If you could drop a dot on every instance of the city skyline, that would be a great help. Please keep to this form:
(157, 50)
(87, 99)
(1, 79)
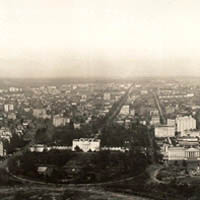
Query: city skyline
(99, 38)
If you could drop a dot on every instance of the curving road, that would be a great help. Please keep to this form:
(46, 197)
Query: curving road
(102, 194)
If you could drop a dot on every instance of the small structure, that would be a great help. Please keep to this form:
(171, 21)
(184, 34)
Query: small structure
(45, 170)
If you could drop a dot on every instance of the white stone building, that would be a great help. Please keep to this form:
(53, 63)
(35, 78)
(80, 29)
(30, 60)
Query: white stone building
(185, 123)
(164, 131)
(86, 144)
(107, 96)
(182, 153)
(8, 107)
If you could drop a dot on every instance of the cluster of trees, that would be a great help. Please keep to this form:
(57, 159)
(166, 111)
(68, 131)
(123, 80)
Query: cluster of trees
(116, 135)
(93, 167)
(15, 142)
(65, 135)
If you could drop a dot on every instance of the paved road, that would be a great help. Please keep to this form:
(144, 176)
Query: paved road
(159, 108)
(153, 171)
(113, 113)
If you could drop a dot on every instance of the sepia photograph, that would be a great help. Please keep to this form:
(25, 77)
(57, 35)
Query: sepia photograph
(99, 100)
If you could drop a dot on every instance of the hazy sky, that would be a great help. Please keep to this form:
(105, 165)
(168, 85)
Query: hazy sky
(120, 38)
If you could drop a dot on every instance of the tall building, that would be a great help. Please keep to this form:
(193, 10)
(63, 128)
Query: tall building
(185, 123)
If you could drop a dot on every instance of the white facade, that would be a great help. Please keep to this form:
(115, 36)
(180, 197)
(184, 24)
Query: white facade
(1, 149)
(132, 112)
(14, 89)
(59, 121)
(8, 107)
(77, 125)
(125, 110)
(164, 131)
(181, 153)
(155, 120)
(171, 122)
(86, 144)
(107, 96)
(37, 148)
(185, 123)
(176, 153)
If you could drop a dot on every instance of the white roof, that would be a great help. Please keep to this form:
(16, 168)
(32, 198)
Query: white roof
(192, 149)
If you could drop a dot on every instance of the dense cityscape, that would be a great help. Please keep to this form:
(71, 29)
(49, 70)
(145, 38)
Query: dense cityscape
(99, 100)
(119, 136)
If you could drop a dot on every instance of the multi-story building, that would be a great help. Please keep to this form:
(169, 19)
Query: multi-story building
(188, 141)
(11, 116)
(155, 120)
(165, 131)
(125, 110)
(132, 112)
(154, 112)
(171, 122)
(40, 113)
(182, 153)
(185, 123)
(1, 149)
(107, 96)
(8, 107)
(59, 121)
(86, 144)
